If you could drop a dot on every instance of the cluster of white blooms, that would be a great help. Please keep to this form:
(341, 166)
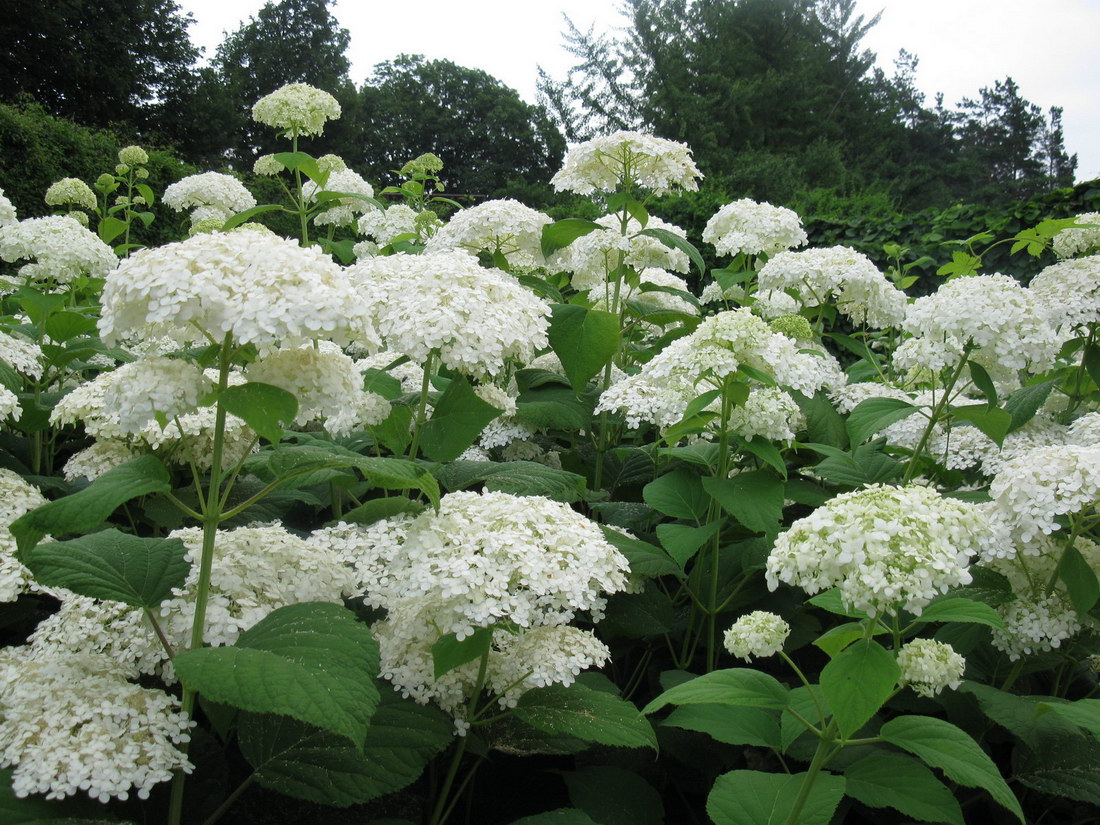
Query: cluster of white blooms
(71, 191)
(261, 288)
(1000, 320)
(71, 722)
(208, 195)
(499, 226)
(61, 248)
(94, 461)
(752, 228)
(1069, 291)
(849, 396)
(21, 355)
(327, 384)
(8, 214)
(839, 274)
(1085, 237)
(759, 633)
(593, 257)
(409, 374)
(145, 388)
(623, 159)
(10, 408)
(16, 498)
(296, 109)
(768, 412)
(662, 390)
(475, 319)
(1085, 431)
(884, 548)
(1034, 488)
(342, 211)
(267, 165)
(383, 225)
(929, 666)
(133, 156)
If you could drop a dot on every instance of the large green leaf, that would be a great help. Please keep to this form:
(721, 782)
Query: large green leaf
(683, 541)
(1084, 713)
(562, 816)
(589, 715)
(585, 341)
(114, 566)
(1023, 716)
(875, 414)
(1023, 404)
(1079, 579)
(993, 421)
(758, 798)
(952, 609)
(674, 241)
(678, 494)
(857, 681)
(377, 509)
(554, 407)
(263, 407)
(614, 796)
(887, 780)
(754, 498)
(561, 233)
(450, 652)
(740, 687)
(457, 420)
(312, 662)
(89, 508)
(315, 765)
(733, 725)
(645, 559)
(1066, 767)
(520, 478)
(944, 746)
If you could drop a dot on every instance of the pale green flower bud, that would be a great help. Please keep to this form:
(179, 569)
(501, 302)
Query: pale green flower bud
(121, 169)
(793, 326)
(141, 174)
(79, 217)
(426, 164)
(104, 180)
(206, 225)
(331, 163)
(71, 191)
(267, 165)
(133, 156)
(758, 634)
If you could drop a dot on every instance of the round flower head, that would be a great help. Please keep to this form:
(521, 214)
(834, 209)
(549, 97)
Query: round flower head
(382, 226)
(623, 159)
(929, 666)
(154, 388)
(752, 228)
(133, 156)
(1083, 237)
(840, 275)
(884, 548)
(209, 195)
(475, 319)
(296, 109)
(592, 257)
(71, 191)
(16, 498)
(21, 355)
(506, 227)
(1069, 291)
(10, 408)
(260, 288)
(62, 249)
(757, 634)
(1034, 488)
(7, 211)
(92, 462)
(267, 165)
(341, 211)
(425, 164)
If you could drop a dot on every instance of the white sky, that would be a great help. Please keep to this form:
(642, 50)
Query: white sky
(1050, 47)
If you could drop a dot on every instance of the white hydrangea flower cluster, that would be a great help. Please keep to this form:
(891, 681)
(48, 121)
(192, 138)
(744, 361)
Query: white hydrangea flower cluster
(101, 457)
(296, 109)
(21, 355)
(342, 211)
(1034, 488)
(618, 160)
(759, 633)
(71, 191)
(1085, 237)
(62, 249)
(150, 386)
(266, 166)
(841, 275)
(16, 498)
(505, 226)
(1085, 431)
(1001, 320)
(746, 226)
(662, 390)
(929, 666)
(592, 257)
(8, 214)
(327, 384)
(261, 288)
(475, 319)
(1069, 291)
(208, 195)
(71, 722)
(382, 226)
(133, 156)
(884, 548)
(10, 408)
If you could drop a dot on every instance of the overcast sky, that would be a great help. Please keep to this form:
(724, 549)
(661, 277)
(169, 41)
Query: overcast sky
(1048, 47)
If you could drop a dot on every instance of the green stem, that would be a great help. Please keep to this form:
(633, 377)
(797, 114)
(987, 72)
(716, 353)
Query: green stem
(824, 753)
(421, 406)
(714, 511)
(935, 415)
(300, 201)
(229, 801)
(439, 813)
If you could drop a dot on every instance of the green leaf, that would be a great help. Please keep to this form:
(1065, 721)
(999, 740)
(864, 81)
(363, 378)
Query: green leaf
(674, 241)
(887, 780)
(683, 541)
(589, 715)
(457, 420)
(312, 662)
(758, 798)
(555, 407)
(62, 326)
(113, 566)
(953, 609)
(832, 601)
(824, 425)
(379, 508)
(450, 652)
(857, 681)
(645, 559)
(585, 341)
(263, 407)
(837, 638)
(1068, 768)
(110, 228)
(766, 452)
(865, 465)
(942, 745)
(520, 478)
(1023, 404)
(614, 796)
(740, 687)
(1084, 713)
(638, 615)
(678, 494)
(733, 725)
(312, 764)
(993, 421)
(562, 816)
(875, 414)
(561, 233)
(394, 433)
(83, 511)
(1091, 361)
(249, 214)
(983, 382)
(382, 383)
(1021, 715)
(1079, 579)
(304, 162)
(754, 498)
(805, 702)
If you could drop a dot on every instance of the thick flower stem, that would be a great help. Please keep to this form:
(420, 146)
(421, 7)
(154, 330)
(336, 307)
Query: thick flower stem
(826, 749)
(714, 511)
(441, 810)
(422, 406)
(935, 416)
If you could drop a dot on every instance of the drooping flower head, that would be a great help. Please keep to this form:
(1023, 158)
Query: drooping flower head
(341, 211)
(752, 228)
(8, 215)
(296, 109)
(16, 498)
(623, 159)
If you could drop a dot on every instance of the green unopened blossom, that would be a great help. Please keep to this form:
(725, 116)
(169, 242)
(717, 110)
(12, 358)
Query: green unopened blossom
(104, 180)
(793, 326)
(71, 191)
(426, 164)
(296, 109)
(331, 163)
(121, 169)
(267, 165)
(141, 174)
(133, 156)
(80, 217)
(206, 225)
